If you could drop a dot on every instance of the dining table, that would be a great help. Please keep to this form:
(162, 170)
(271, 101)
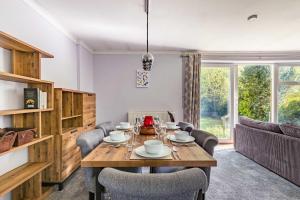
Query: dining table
(115, 156)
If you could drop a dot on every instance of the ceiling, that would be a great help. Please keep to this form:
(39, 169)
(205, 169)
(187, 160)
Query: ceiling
(206, 25)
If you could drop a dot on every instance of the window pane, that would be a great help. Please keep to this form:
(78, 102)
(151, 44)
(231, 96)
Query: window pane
(287, 73)
(215, 101)
(254, 90)
(289, 104)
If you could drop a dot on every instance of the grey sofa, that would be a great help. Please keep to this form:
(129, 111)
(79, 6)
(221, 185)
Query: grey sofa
(271, 146)
(182, 185)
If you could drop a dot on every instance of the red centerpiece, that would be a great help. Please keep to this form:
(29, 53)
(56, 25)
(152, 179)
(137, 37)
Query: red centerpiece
(148, 121)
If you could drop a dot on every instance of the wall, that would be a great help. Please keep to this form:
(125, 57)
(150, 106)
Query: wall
(115, 86)
(86, 67)
(21, 21)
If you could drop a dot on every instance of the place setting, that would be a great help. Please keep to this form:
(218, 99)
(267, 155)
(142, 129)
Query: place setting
(152, 149)
(124, 126)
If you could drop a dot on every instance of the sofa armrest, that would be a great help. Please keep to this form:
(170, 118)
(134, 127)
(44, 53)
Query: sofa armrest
(206, 140)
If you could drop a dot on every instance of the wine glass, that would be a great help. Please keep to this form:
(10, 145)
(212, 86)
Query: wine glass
(157, 127)
(136, 132)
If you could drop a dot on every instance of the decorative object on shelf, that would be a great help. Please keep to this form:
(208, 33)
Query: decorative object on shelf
(7, 140)
(142, 79)
(23, 135)
(31, 98)
(147, 58)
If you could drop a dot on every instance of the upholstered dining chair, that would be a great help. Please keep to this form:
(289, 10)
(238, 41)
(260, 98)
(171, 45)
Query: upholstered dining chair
(182, 185)
(185, 126)
(106, 127)
(89, 141)
(204, 139)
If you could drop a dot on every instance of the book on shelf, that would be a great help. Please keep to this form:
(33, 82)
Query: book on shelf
(34, 98)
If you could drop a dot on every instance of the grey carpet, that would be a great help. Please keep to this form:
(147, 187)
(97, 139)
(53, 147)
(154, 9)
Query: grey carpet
(235, 178)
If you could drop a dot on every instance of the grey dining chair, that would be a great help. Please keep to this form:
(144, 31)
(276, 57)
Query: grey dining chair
(89, 141)
(185, 126)
(204, 139)
(182, 185)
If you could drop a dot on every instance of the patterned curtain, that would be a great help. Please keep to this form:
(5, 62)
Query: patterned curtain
(191, 89)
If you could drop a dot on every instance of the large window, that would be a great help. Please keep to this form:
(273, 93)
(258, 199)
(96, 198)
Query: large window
(254, 91)
(215, 101)
(289, 95)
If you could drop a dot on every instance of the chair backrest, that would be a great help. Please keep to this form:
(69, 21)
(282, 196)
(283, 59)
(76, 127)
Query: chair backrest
(182, 185)
(87, 142)
(185, 126)
(106, 127)
(208, 142)
(163, 115)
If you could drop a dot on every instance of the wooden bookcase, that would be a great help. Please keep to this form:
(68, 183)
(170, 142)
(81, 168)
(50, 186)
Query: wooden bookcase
(74, 113)
(25, 182)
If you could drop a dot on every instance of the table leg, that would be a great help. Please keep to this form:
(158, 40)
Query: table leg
(99, 188)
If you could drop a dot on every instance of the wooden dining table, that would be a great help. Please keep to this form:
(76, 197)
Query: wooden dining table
(107, 155)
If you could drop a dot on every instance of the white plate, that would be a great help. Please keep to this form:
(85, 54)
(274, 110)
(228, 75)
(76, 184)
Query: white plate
(119, 128)
(141, 152)
(174, 128)
(188, 139)
(108, 140)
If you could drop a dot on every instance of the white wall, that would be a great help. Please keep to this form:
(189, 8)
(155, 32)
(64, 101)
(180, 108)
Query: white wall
(115, 86)
(21, 21)
(86, 67)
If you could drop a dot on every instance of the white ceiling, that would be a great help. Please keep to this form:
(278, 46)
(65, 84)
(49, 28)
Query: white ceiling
(207, 25)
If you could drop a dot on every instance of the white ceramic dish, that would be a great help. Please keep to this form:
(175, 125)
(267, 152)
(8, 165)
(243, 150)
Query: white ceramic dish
(173, 128)
(109, 140)
(117, 135)
(181, 135)
(153, 146)
(142, 152)
(120, 128)
(124, 125)
(188, 139)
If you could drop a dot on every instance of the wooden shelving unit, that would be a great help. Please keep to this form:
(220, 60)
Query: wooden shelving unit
(25, 182)
(74, 113)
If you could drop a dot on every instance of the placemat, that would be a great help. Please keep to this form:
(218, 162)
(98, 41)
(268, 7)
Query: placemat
(134, 156)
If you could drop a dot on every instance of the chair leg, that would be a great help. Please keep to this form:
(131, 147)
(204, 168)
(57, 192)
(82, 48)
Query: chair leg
(91, 196)
(201, 196)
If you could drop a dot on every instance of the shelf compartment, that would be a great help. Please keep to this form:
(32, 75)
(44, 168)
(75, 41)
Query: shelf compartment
(22, 111)
(21, 79)
(18, 176)
(71, 117)
(35, 141)
(12, 43)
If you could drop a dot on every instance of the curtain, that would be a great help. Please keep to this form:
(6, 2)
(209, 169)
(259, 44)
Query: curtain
(191, 88)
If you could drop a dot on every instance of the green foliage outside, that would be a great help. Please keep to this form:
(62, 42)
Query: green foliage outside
(214, 101)
(289, 102)
(254, 87)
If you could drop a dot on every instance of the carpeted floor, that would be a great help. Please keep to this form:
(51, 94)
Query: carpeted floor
(235, 178)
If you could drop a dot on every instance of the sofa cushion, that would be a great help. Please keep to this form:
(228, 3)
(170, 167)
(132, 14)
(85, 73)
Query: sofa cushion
(290, 130)
(267, 126)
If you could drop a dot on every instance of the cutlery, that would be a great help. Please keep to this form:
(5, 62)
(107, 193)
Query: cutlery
(112, 147)
(185, 145)
(174, 151)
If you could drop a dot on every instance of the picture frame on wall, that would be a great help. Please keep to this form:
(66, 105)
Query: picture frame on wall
(142, 78)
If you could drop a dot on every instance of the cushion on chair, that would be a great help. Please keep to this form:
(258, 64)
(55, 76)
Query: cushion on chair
(183, 185)
(166, 169)
(106, 127)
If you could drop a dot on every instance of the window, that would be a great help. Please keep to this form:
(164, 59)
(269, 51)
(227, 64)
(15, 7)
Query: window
(215, 93)
(254, 91)
(289, 95)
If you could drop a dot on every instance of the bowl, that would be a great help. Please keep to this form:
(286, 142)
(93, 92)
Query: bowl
(171, 125)
(153, 146)
(181, 135)
(124, 124)
(116, 135)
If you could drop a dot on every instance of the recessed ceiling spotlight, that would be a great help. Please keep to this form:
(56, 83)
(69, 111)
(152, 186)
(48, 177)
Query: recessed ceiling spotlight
(252, 18)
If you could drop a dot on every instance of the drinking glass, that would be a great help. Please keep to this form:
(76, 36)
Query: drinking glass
(157, 128)
(136, 132)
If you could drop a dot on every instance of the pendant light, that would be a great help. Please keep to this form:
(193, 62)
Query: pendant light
(147, 58)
